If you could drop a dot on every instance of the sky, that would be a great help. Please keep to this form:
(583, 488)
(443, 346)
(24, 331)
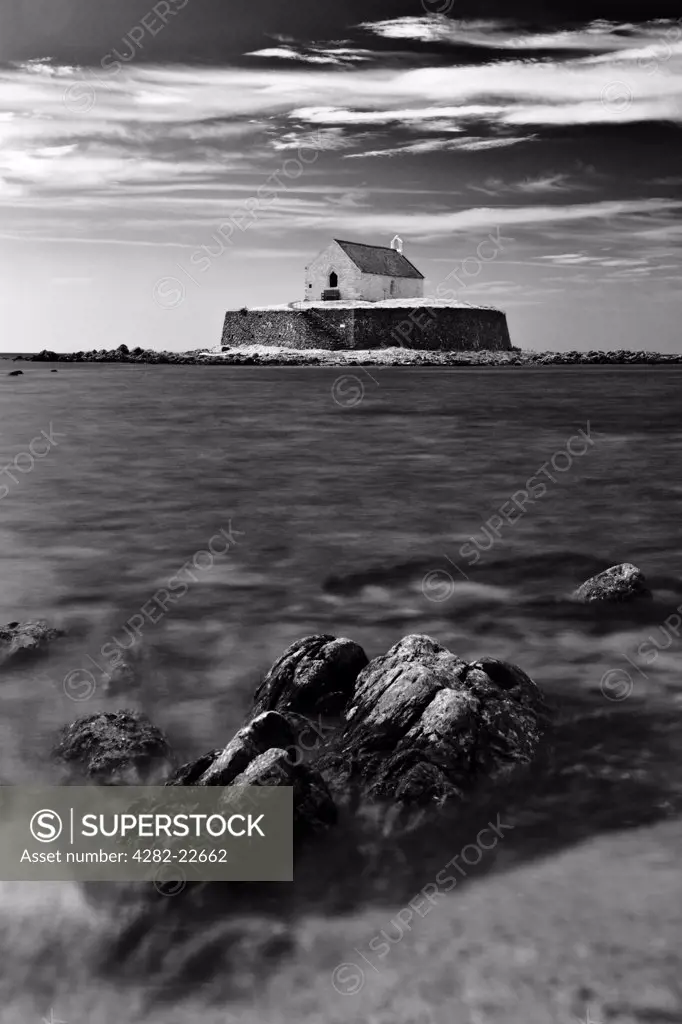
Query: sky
(161, 162)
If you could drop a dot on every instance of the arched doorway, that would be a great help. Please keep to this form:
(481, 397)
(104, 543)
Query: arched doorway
(333, 280)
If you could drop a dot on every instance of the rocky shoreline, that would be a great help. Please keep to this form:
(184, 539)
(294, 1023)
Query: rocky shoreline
(271, 356)
(410, 730)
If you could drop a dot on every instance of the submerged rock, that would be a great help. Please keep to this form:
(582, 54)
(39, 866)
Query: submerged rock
(115, 748)
(424, 725)
(316, 674)
(15, 373)
(26, 638)
(623, 582)
(120, 677)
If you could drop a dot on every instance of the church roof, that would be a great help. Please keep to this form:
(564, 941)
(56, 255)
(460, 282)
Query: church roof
(379, 259)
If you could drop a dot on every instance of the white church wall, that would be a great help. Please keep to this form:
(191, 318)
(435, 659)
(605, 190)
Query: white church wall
(376, 287)
(352, 283)
(332, 258)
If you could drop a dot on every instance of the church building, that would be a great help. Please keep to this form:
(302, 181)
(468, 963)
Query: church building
(364, 273)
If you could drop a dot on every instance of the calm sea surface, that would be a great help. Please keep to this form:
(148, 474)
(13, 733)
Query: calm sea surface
(344, 519)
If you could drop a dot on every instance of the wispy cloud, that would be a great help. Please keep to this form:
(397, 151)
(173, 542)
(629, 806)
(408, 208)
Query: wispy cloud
(293, 215)
(313, 54)
(188, 125)
(322, 138)
(548, 183)
(595, 37)
(484, 218)
(400, 115)
(529, 186)
(165, 153)
(575, 259)
(467, 145)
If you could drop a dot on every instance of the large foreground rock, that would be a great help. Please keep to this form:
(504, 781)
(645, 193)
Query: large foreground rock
(26, 638)
(315, 675)
(264, 753)
(189, 774)
(221, 767)
(623, 582)
(314, 808)
(115, 748)
(424, 725)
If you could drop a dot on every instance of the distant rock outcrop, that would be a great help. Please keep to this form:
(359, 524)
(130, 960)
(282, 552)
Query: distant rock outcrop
(115, 748)
(620, 583)
(279, 352)
(26, 639)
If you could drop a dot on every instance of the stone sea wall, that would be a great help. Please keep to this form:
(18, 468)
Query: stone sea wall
(426, 328)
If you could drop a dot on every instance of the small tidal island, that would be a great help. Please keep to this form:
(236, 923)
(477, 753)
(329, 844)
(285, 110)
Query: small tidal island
(262, 355)
(363, 305)
(362, 297)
